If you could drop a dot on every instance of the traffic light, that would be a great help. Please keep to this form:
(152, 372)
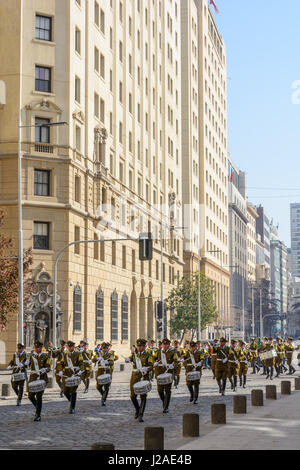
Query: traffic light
(145, 247)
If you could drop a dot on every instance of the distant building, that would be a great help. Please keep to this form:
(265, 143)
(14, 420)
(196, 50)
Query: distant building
(279, 274)
(295, 239)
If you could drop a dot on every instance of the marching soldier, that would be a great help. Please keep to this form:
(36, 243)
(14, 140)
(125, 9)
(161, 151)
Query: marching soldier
(222, 353)
(39, 365)
(17, 364)
(270, 363)
(289, 350)
(245, 357)
(233, 365)
(72, 365)
(280, 349)
(180, 354)
(87, 355)
(263, 349)
(254, 355)
(105, 360)
(193, 361)
(152, 349)
(58, 354)
(166, 359)
(203, 351)
(142, 362)
(213, 357)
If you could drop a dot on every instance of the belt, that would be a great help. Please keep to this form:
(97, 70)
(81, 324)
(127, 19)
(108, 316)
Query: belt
(221, 360)
(232, 362)
(243, 361)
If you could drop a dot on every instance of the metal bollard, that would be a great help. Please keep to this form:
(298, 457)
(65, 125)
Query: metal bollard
(297, 383)
(271, 392)
(257, 398)
(154, 438)
(102, 446)
(285, 387)
(190, 425)
(122, 367)
(240, 404)
(5, 390)
(218, 413)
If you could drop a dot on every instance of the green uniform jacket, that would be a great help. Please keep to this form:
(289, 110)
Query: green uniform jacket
(221, 354)
(13, 363)
(109, 356)
(171, 358)
(58, 354)
(233, 358)
(199, 356)
(147, 360)
(77, 361)
(44, 362)
(87, 355)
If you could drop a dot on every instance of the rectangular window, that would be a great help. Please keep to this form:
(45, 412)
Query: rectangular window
(78, 40)
(42, 132)
(43, 28)
(96, 59)
(114, 316)
(96, 105)
(102, 21)
(77, 89)
(77, 296)
(113, 253)
(77, 189)
(102, 66)
(124, 315)
(96, 14)
(41, 183)
(123, 257)
(41, 236)
(99, 316)
(77, 238)
(43, 79)
(78, 138)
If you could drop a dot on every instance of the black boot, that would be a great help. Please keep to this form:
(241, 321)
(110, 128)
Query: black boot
(253, 369)
(272, 372)
(293, 370)
(231, 382)
(235, 384)
(39, 404)
(105, 394)
(196, 394)
(32, 399)
(277, 368)
(20, 395)
(268, 373)
(224, 387)
(220, 386)
(73, 403)
(191, 390)
(68, 396)
(137, 407)
(241, 380)
(87, 384)
(264, 370)
(162, 397)
(167, 402)
(244, 381)
(142, 408)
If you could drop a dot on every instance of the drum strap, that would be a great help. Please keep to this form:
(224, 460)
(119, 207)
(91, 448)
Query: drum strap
(70, 364)
(164, 359)
(17, 360)
(138, 363)
(36, 366)
(192, 359)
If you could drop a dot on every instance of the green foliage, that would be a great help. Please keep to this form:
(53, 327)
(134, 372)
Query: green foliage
(183, 303)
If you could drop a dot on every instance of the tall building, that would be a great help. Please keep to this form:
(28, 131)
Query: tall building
(279, 274)
(295, 239)
(263, 232)
(252, 216)
(238, 253)
(111, 69)
(204, 144)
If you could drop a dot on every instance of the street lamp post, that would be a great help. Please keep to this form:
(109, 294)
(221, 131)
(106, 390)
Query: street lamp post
(20, 221)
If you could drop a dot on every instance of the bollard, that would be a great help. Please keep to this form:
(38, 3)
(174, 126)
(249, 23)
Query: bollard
(240, 404)
(257, 398)
(122, 367)
(50, 382)
(102, 446)
(285, 387)
(190, 425)
(154, 438)
(297, 383)
(5, 390)
(218, 413)
(271, 393)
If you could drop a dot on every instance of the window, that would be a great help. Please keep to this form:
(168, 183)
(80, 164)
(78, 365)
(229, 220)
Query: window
(78, 138)
(41, 236)
(43, 79)
(77, 40)
(96, 13)
(113, 253)
(77, 189)
(42, 133)
(96, 105)
(43, 28)
(77, 238)
(96, 248)
(96, 59)
(123, 257)
(77, 89)
(102, 66)
(102, 21)
(124, 317)
(77, 296)
(114, 315)
(41, 183)
(99, 315)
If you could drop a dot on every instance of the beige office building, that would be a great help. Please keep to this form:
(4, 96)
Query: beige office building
(111, 69)
(204, 151)
(252, 216)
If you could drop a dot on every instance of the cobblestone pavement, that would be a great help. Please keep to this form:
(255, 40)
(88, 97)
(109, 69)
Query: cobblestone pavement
(115, 422)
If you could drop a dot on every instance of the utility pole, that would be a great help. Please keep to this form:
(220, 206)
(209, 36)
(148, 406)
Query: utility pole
(260, 314)
(253, 332)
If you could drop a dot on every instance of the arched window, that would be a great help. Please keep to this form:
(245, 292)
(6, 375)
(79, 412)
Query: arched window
(77, 296)
(99, 315)
(124, 316)
(114, 315)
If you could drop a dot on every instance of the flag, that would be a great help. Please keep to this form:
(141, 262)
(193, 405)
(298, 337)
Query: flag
(231, 176)
(215, 6)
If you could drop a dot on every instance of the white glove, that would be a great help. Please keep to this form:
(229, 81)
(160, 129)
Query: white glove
(80, 372)
(43, 370)
(199, 364)
(155, 364)
(90, 362)
(181, 360)
(27, 362)
(127, 359)
(171, 366)
(236, 362)
(144, 370)
(106, 362)
(225, 360)
(9, 367)
(61, 373)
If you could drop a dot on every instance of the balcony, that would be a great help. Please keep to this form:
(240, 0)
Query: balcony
(43, 148)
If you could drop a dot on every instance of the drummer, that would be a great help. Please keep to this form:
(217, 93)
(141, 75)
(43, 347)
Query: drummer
(180, 354)
(87, 355)
(39, 364)
(142, 362)
(72, 365)
(289, 350)
(17, 364)
(166, 360)
(105, 360)
(193, 362)
(58, 354)
(270, 363)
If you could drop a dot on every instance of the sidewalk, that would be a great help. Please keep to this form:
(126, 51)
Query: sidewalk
(275, 426)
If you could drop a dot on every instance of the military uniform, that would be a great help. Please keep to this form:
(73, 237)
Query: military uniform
(105, 365)
(17, 364)
(213, 361)
(142, 366)
(177, 370)
(58, 354)
(222, 354)
(170, 359)
(87, 355)
(280, 349)
(254, 356)
(36, 363)
(245, 357)
(270, 363)
(289, 351)
(72, 364)
(263, 349)
(193, 361)
(233, 367)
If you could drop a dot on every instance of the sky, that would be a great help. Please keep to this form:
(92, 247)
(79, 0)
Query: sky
(263, 63)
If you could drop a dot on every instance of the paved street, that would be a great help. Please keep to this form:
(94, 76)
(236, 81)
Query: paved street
(115, 423)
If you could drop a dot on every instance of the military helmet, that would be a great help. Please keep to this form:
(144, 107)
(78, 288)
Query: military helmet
(62, 342)
(223, 340)
(193, 344)
(166, 341)
(38, 344)
(20, 345)
(105, 345)
(141, 342)
(70, 343)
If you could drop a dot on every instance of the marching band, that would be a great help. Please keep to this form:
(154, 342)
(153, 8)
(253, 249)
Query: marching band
(164, 363)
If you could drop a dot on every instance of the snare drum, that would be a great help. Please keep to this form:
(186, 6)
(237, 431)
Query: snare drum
(73, 381)
(268, 355)
(19, 377)
(104, 379)
(164, 379)
(193, 376)
(142, 388)
(36, 386)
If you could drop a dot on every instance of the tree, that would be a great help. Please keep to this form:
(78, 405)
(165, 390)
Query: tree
(183, 304)
(9, 277)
